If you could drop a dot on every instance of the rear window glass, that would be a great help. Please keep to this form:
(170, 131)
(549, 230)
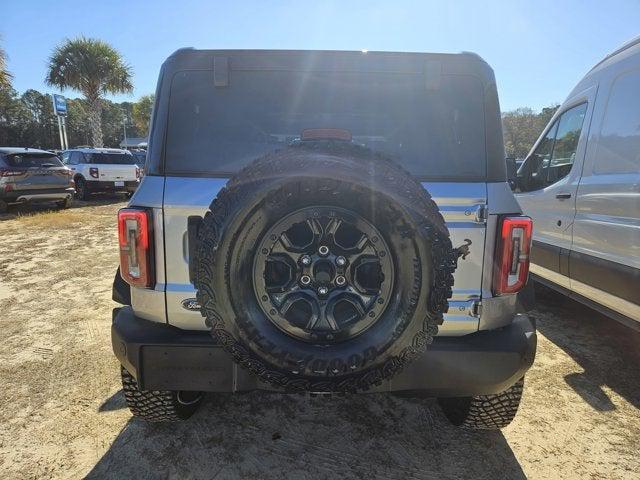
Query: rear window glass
(110, 158)
(432, 133)
(28, 160)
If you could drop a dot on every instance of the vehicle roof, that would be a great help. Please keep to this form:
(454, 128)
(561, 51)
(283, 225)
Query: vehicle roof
(625, 46)
(10, 150)
(627, 50)
(97, 150)
(348, 60)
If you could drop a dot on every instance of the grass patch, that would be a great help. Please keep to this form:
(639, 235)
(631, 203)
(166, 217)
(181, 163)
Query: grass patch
(51, 218)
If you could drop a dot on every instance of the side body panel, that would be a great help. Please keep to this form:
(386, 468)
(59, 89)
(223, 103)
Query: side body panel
(604, 262)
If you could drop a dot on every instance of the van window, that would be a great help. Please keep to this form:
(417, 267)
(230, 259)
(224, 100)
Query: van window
(619, 144)
(553, 158)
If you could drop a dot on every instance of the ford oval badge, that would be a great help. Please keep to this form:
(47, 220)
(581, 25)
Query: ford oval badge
(191, 304)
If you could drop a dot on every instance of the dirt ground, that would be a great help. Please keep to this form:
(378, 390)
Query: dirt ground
(62, 412)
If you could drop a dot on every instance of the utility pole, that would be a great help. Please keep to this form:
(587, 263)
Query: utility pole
(124, 127)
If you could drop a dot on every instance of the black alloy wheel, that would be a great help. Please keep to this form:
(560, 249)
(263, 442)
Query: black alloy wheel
(323, 274)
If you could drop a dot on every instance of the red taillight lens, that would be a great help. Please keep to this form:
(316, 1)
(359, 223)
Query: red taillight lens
(512, 255)
(134, 238)
(94, 172)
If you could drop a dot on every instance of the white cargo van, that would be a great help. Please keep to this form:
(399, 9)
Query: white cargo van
(581, 186)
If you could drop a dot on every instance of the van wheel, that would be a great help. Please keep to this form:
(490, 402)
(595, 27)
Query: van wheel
(3, 206)
(158, 405)
(81, 189)
(484, 412)
(63, 204)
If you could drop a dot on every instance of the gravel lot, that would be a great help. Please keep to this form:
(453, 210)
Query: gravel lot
(63, 414)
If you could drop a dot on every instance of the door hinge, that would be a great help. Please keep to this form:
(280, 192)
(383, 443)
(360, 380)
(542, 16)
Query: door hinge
(481, 214)
(476, 308)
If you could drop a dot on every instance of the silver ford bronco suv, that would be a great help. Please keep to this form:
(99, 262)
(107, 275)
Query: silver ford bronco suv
(324, 222)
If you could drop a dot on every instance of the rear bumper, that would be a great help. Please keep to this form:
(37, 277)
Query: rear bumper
(42, 195)
(102, 186)
(162, 357)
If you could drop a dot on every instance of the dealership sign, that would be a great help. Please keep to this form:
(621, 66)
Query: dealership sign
(59, 105)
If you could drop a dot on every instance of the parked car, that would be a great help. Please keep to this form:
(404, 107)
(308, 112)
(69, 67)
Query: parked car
(102, 170)
(32, 175)
(581, 185)
(275, 245)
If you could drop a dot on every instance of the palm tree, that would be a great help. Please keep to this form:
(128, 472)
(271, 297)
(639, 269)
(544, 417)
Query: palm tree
(5, 76)
(94, 68)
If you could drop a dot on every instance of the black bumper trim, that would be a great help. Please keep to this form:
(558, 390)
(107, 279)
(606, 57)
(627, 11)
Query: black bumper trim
(163, 357)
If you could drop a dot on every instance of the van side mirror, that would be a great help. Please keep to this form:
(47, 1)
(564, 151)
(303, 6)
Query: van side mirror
(512, 172)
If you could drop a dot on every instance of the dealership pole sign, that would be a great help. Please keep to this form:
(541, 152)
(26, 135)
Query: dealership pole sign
(60, 110)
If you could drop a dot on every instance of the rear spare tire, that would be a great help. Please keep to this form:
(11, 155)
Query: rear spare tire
(323, 268)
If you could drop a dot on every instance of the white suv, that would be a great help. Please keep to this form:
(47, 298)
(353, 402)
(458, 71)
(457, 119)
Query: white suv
(102, 170)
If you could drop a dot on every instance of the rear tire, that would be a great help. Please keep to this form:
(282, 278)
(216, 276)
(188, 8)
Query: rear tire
(4, 207)
(81, 189)
(484, 412)
(64, 204)
(158, 405)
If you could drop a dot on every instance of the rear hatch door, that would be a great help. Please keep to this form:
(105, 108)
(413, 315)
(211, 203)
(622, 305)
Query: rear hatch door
(426, 111)
(37, 171)
(113, 167)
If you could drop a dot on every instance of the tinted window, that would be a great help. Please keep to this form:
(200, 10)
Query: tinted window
(28, 160)
(75, 158)
(437, 132)
(566, 144)
(110, 158)
(553, 158)
(534, 170)
(619, 144)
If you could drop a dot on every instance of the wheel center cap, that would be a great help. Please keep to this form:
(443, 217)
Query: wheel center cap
(323, 272)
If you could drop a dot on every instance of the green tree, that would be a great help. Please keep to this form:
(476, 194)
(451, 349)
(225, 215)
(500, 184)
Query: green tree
(40, 128)
(11, 116)
(94, 68)
(142, 113)
(522, 127)
(5, 76)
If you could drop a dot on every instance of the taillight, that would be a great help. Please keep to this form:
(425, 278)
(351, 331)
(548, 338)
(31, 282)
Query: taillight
(135, 240)
(94, 172)
(138, 173)
(512, 255)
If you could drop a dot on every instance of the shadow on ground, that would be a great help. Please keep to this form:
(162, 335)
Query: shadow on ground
(262, 435)
(607, 350)
(17, 210)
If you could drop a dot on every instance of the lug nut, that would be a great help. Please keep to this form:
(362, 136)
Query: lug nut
(306, 260)
(340, 280)
(323, 290)
(341, 261)
(305, 279)
(323, 250)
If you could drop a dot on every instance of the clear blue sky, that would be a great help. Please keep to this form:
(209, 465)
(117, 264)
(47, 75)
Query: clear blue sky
(538, 49)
